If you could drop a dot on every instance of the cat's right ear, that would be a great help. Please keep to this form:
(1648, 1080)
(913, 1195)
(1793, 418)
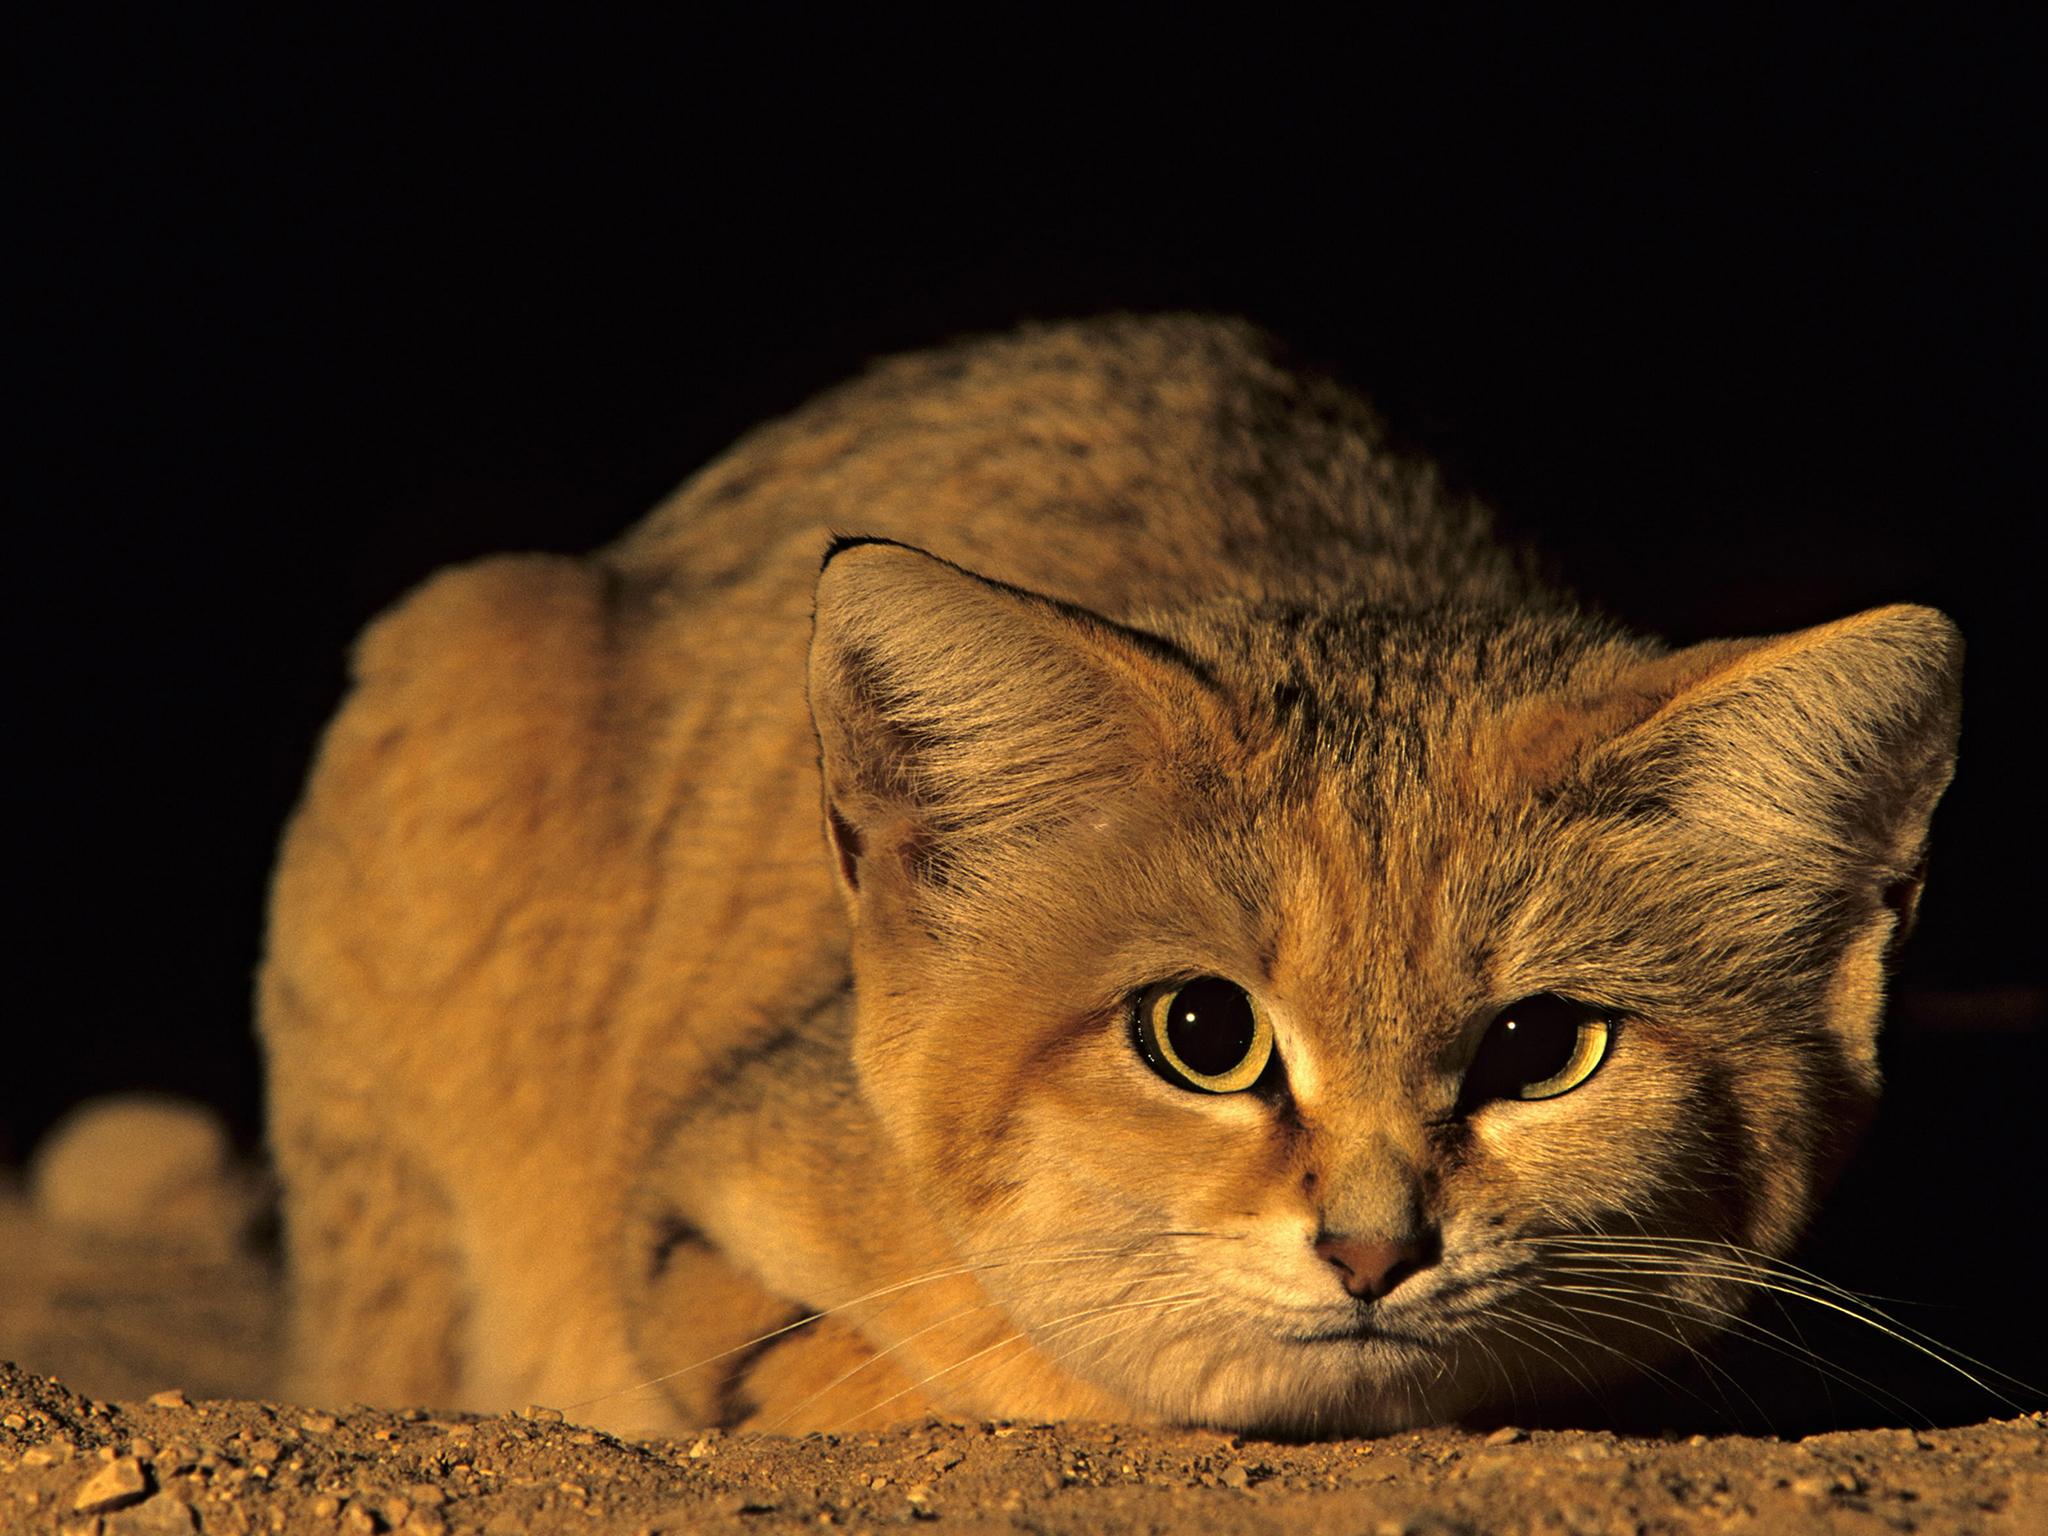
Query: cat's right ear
(960, 721)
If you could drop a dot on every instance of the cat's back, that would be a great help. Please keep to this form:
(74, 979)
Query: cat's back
(1129, 463)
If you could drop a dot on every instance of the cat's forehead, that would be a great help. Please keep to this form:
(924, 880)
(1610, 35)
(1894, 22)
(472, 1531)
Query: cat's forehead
(1355, 695)
(1385, 812)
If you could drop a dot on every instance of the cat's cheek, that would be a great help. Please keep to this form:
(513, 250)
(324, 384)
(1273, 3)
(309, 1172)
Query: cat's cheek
(1737, 1144)
(1611, 1151)
(1114, 1138)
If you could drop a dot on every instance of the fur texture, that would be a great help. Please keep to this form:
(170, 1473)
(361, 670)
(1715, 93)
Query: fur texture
(593, 1061)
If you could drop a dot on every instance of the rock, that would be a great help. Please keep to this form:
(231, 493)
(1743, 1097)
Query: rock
(170, 1397)
(160, 1516)
(1426, 1523)
(1507, 1435)
(121, 1481)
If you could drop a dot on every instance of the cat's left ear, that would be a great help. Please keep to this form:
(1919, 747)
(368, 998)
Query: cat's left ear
(1804, 763)
(1832, 743)
(961, 720)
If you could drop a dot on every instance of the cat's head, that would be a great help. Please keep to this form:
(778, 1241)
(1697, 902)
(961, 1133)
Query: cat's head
(1333, 1019)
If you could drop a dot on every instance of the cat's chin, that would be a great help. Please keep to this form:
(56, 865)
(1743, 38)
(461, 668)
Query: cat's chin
(1296, 1378)
(1344, 1385)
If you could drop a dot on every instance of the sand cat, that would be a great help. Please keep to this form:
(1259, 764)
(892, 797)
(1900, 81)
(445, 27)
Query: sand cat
(1072, 859)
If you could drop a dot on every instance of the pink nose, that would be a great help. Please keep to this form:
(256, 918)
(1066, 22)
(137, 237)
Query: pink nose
(1370, 1267)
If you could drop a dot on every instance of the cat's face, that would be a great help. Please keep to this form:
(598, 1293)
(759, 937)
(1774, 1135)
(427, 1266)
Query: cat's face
(1338, 1027)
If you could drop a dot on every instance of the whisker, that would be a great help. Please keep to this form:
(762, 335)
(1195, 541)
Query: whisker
(1716, 1259)
(1559, 1360)
(1770, 1340)
(980, 1265)
(1048, 1330)
(1547, 1293)
(879, 1355)
(1750, 1275)
(1718, 1245)
(1718, 1373)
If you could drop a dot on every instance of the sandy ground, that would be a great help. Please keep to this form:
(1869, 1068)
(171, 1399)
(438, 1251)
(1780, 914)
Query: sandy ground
(175, 1345)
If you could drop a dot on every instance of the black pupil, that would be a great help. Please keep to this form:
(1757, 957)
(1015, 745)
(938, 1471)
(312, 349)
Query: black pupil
(1210, 1026)
(1529, 1043)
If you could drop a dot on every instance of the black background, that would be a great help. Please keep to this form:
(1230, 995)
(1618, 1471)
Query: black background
(1743, 325)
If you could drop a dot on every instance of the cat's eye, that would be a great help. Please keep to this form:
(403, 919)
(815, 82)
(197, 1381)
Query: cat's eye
(1206, 1034)
(1538, 1048)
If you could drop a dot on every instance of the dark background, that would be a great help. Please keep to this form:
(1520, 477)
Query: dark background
(1743, 325)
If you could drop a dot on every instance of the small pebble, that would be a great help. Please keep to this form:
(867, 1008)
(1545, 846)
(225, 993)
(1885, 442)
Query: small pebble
(319, 1423)
(1507, 1434)
(1234, 1476)
(170, 1397)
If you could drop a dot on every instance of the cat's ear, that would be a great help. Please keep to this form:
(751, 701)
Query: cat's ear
(959, 719)
(1802, 770)
(1831, 742)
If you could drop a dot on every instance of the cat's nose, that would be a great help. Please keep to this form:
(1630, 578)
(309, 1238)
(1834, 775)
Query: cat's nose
(1371, 1267)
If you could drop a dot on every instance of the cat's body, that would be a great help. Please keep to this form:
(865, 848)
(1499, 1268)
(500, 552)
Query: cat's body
(573, 1086)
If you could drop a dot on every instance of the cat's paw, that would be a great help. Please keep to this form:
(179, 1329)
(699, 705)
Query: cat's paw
(143, 1168)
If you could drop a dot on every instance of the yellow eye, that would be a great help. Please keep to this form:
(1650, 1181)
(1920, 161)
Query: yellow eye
(1204, 1034)
(1537, 1049)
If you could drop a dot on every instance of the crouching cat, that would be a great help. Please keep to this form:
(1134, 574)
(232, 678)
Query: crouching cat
(1172, 922)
